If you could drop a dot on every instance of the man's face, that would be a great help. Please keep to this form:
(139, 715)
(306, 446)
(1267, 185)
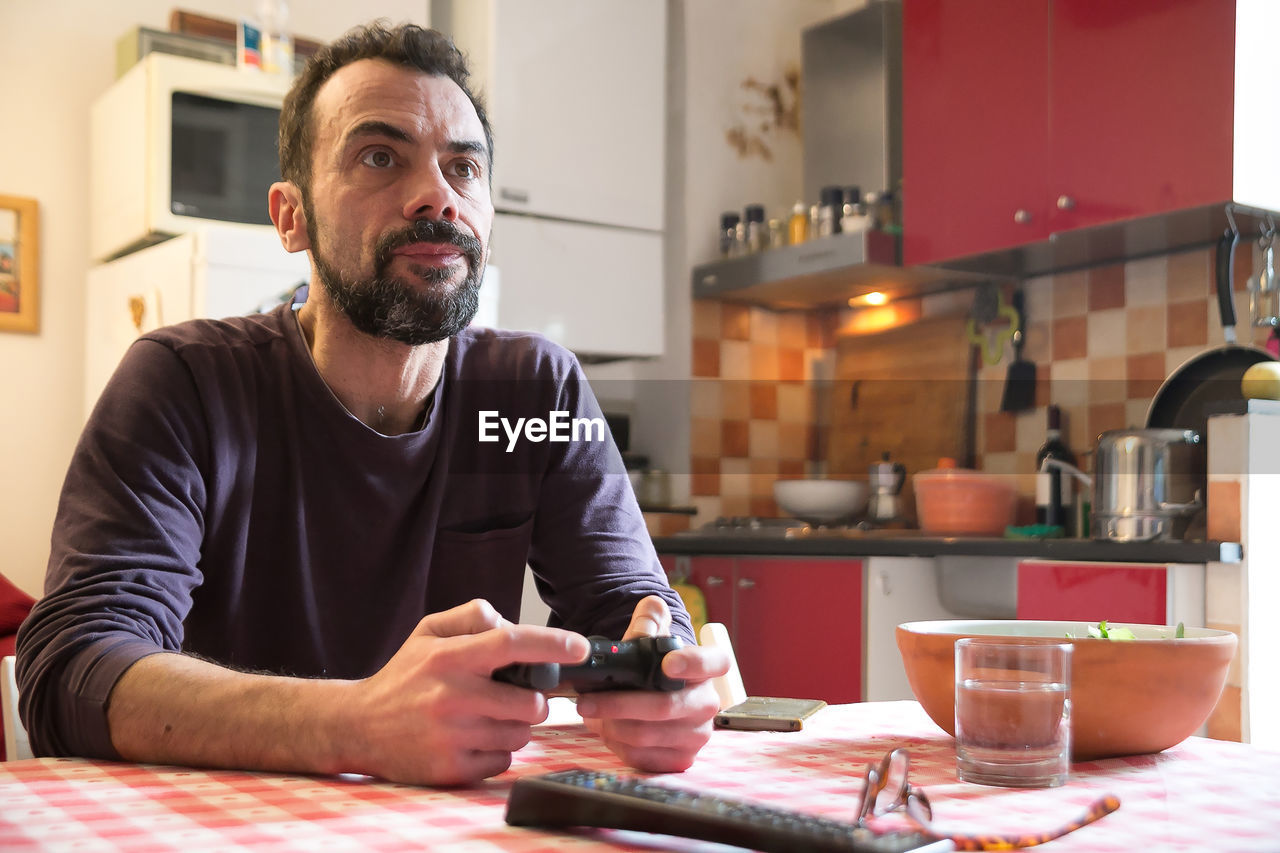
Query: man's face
(399, 211)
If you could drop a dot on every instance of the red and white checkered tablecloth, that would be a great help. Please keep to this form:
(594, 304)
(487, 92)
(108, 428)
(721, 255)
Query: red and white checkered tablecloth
(1203, 795)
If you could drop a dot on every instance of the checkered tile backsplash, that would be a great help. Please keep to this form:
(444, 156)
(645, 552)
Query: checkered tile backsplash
(1102, 339)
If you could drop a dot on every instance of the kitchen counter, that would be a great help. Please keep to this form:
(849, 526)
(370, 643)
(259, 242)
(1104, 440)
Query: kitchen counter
(909, 543)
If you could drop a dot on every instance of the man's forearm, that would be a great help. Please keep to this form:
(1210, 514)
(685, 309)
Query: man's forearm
(173, 709)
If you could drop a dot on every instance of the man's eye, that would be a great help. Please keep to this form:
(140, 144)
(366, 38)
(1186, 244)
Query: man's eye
(465, 169)
(378, 159)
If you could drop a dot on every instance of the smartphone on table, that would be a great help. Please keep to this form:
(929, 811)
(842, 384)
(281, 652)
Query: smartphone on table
(768, 714)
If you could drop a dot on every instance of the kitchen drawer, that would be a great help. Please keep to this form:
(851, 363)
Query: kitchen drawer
(1091, 592)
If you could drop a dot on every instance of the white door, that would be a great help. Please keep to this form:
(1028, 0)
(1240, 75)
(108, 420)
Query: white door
(898, 589)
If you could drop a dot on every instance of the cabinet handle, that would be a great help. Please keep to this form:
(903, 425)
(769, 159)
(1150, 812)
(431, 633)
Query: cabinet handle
(712, 580)
(683, 570)
(746, 583)
(1066, 202)
(1022, 216)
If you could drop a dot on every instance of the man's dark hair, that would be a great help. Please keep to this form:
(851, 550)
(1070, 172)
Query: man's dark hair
(408, 45)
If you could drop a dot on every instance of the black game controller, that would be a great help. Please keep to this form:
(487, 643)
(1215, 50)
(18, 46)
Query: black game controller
(611, 665)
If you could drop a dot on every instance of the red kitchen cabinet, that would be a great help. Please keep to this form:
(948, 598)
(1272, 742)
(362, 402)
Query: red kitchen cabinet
(1092, 592)
(714, 576)
(1026, 118)
(796, 624)
(975, 126)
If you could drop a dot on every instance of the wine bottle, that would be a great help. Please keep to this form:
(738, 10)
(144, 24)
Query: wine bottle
(1054, 487)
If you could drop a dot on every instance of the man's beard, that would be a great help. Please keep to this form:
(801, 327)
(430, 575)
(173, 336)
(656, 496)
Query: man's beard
(385, 307)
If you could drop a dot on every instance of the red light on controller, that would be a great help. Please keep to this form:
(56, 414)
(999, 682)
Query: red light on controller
(614, 648)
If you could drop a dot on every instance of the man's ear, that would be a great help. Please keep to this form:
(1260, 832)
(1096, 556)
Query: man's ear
(290, 218)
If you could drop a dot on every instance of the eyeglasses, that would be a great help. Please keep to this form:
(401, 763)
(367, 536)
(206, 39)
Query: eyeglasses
(901, 793)
(886, 789)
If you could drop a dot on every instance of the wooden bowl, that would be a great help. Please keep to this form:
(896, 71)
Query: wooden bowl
(1128, 697)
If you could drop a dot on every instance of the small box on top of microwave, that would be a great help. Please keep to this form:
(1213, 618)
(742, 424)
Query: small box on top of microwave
(176, 143)
(139, 42)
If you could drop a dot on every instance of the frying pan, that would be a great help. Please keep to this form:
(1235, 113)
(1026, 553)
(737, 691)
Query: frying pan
(1213, 376)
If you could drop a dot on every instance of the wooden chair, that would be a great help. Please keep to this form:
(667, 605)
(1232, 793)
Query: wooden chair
(729, 685)
(16, 745)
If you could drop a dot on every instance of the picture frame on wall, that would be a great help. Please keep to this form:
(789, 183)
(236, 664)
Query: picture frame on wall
(19, 265)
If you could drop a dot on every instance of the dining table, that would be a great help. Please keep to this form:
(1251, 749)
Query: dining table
(1204, 795)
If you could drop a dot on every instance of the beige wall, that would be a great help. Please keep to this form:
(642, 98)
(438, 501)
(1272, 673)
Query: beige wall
(55, 58)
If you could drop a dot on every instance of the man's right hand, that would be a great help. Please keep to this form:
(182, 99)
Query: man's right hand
(433, 715)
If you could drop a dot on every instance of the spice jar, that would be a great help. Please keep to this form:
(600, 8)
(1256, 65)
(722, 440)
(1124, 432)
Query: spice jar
(756, 231)
(830, 205)
(729, 235)
(798, 226)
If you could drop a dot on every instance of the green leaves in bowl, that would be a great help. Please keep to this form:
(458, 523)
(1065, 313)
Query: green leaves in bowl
(1102, 632)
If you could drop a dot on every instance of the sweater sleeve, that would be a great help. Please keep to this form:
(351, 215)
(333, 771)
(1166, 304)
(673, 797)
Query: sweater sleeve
(591, 554)
(124, 556)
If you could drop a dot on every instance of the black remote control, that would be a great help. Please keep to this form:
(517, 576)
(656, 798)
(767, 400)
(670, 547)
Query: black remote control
(611, 665)
(590, 798)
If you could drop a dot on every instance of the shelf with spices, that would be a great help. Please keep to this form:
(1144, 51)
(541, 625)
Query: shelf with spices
(822, 271)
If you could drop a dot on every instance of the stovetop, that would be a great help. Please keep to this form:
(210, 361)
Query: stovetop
(760, 527)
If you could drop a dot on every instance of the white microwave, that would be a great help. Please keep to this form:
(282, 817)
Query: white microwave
(176, 143)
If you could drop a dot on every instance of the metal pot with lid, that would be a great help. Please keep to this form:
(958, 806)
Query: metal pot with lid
(1145, 484)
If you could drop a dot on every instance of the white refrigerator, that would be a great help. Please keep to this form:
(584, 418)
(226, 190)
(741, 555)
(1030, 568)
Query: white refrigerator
(214, 271)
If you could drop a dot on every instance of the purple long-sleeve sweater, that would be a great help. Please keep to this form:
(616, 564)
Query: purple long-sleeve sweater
(223, 502)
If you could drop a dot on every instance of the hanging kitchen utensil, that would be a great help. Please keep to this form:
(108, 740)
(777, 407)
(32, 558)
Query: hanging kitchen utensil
(1213, 376)
(1020, 380)
(1264, 289)
(988, 306)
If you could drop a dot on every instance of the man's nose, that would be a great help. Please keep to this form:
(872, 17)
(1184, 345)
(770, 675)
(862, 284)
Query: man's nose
(431, 196)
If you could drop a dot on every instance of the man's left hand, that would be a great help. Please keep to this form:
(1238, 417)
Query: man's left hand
(653, 730)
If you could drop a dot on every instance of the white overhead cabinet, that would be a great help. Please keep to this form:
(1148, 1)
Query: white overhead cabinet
(591, 288)
(576, 92)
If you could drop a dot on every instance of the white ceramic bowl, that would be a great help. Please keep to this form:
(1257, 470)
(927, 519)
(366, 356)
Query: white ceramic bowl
(821, 501)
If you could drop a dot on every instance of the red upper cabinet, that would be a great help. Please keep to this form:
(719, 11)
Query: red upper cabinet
(1140, 107)
(975, 126)
(1025, 118)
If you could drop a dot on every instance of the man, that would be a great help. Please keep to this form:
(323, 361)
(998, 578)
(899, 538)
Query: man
(261, 510)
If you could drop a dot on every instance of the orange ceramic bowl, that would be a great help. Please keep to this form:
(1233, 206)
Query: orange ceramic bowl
(963, 502)
(1128, 697)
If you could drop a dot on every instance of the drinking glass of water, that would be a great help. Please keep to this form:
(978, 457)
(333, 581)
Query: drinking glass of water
(1013, 711)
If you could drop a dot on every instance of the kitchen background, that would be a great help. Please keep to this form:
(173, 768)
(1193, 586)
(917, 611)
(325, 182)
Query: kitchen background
(729, 405)
(55, 71)
(1102, 339)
